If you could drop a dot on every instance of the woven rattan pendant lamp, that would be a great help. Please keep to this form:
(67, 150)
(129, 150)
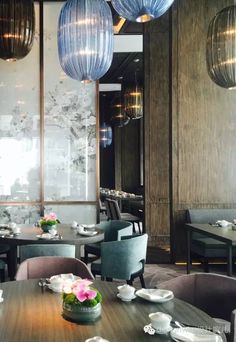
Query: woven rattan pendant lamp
(17, 26)
(221, 48)
(85, 39)
(141, 10)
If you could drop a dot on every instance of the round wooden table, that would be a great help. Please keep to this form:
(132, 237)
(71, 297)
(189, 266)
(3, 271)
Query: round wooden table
(30, 315)
(29, 234)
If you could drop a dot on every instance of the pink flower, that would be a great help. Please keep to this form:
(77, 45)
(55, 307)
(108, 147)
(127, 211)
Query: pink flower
(82, 291)
(85, 294)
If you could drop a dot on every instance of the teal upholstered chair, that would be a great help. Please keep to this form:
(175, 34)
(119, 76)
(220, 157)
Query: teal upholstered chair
(202, 245)
(30, 251)
(124, 259)
(113, 230)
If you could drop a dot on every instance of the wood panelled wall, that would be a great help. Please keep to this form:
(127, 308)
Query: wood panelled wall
(127, 157)
(190, 151)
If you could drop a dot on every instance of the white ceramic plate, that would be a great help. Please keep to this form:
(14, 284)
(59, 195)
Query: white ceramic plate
(87, 233)
(4, 231)
(88, 226)
(191, 334)
(45, 236)
(155, 295)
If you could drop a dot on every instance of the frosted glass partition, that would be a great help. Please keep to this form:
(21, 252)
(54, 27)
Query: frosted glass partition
(19, 126)
(19, 214)
(48, 147)
(70, 125)
(68, 213)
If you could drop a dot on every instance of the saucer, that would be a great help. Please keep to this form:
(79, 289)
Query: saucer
(125, 299)
(151, 330)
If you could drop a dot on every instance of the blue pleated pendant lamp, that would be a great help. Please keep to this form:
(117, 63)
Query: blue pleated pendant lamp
(141, 10)
(85, 39)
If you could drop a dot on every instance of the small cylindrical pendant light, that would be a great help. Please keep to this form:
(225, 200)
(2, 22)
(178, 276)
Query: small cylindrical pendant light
(221, 48)
(17, 27)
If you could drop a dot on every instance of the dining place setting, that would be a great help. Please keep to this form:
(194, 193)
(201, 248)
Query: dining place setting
(162, 323)
(84, 229)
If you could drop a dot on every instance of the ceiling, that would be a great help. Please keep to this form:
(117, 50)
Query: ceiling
(124, 64)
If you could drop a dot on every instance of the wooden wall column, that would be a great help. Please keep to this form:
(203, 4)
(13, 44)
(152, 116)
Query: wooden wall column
(157, 129)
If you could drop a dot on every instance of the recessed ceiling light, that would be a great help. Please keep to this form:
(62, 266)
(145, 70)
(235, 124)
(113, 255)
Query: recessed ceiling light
(136, 60)
(120, 78)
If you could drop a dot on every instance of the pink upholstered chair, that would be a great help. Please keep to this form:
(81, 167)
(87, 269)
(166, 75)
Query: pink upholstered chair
(47, 266)
(213, 293)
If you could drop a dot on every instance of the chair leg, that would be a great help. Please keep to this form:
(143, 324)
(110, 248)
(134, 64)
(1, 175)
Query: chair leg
(85, 257)
(134, 230)
(206, 265)
(2, 275)
(142, 281)
(129, 282)
(139, 227)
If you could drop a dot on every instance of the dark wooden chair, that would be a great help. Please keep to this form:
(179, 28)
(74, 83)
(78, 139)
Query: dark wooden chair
(115, 214)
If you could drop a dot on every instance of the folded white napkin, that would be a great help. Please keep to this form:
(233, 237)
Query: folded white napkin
(223, 223)
(195, 335)
(155, 294)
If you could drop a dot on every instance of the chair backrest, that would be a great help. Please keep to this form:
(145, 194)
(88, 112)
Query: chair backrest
(30, 251)
(114, 209)
(204, 215)
(210, 215)
(213, 293)
(47, 266)
(107, 205)
(121, 259)
(115, 229)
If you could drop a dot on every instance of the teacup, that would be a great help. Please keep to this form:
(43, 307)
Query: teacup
(56, 283)
(160, 320)
(74, 224)
(12, 225)
(1, 292)
(16, 230)
(80, 229)
(126, 291)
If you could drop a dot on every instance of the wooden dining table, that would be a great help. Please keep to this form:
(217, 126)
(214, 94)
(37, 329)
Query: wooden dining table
(31, 235)
(29, 314)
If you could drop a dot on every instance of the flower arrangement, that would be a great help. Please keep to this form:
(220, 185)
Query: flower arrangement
(80, 293)
(49, 220)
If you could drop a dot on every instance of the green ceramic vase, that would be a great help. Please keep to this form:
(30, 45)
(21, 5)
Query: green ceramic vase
(46, 227)
(81, 314)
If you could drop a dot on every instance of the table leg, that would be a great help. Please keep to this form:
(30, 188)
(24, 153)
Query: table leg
(12, 262)
(229, 270)
(189, 237)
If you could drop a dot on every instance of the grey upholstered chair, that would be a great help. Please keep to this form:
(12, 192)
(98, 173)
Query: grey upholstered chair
(115, 214)
(47, 266)
(202, 245)
(124, 259)
(30, 251)
(113, 230)
(213, 293)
